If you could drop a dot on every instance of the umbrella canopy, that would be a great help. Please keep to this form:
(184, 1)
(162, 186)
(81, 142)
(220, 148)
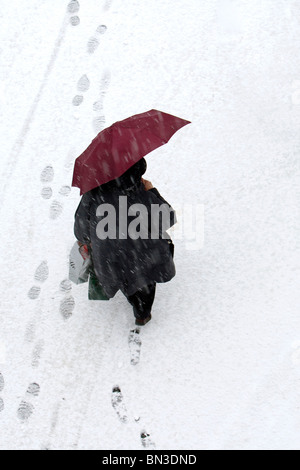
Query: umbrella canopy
(121, 145)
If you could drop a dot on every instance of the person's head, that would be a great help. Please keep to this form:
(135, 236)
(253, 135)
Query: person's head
(129, 179)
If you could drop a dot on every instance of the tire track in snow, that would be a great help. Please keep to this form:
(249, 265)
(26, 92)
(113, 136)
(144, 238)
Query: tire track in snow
(41, 275)
(119, 406)
(20, 142)
(54, 422)
(47, 176)
(2, 385)
(37, 353)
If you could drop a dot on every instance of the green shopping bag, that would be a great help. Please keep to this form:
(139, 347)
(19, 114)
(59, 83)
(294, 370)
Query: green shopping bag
(95, 289)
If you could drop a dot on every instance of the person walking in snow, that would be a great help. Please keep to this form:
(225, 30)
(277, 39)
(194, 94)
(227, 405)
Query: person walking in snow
(132, 265)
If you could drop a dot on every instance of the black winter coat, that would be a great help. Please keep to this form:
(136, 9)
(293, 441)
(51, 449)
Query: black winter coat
(128, 264)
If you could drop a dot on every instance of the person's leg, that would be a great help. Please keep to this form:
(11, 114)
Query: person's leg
(142, 302)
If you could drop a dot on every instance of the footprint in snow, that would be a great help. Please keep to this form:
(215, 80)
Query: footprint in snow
(98, 106)
(47, 174)
(147, 443)
(47, 193)
(135, 345)
(57, 206)
(99, 121)
(37, 353)
(67, 304)
(94, 41)
(83, 86)
(75, 20)
(26, 408)
(42, 272)
(77, 100)
(34, 292)
(30, 332)
(67, 307)
(65, 191)
(65, 286)
(41, 275)
(34, 390)
(56, 210)
(73, 8)
(117, 401)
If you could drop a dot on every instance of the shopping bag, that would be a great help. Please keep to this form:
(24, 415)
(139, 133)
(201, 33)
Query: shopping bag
(96, 291)
(79, 268)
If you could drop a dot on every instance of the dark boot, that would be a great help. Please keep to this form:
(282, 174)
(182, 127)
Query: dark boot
(143, 321)
(142, 302)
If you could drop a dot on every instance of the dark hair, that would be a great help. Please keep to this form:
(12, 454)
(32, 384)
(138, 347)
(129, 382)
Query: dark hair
(129, 180)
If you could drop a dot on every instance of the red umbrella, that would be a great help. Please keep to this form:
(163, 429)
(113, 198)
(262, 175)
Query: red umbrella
(121, 145)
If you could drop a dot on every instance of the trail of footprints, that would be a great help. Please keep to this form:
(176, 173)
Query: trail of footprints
(117, 398)
(26, 407)
(73, 8)
(67, 305)
(57, 206)
(83, 86)
(118, 404)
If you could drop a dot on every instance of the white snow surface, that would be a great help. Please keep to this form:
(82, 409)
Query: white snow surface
(220, 362)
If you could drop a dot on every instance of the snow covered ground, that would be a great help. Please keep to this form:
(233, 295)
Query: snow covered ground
(220, 362)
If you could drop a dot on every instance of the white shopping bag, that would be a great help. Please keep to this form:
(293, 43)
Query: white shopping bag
(79, 268)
